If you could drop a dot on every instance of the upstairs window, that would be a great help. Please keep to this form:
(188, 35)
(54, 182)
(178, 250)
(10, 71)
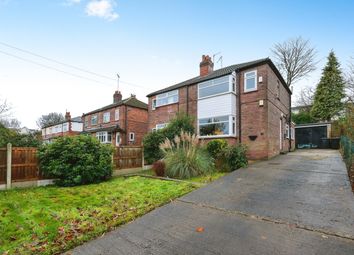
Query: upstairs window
(106, 117)
(214, 87)
(170, 97)
(94, 120)
(153, 106)
(250, 83)
(86, 121)
(116, 114)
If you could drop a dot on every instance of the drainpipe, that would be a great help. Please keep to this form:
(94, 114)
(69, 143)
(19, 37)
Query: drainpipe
(238, 98)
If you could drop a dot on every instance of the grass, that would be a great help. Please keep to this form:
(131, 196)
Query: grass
(201, 179)
(50, 220)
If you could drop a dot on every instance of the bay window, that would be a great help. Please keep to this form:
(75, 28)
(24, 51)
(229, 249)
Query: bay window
(104, 137)
(170, 97)
(217, 86)
(217, 126)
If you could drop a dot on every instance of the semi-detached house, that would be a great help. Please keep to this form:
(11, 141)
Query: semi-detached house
(245, 103)
(124, 122)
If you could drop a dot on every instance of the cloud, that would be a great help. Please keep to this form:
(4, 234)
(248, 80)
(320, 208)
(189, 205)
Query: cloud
(102, 9)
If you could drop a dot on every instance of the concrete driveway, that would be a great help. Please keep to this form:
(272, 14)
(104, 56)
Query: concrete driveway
(300, 203)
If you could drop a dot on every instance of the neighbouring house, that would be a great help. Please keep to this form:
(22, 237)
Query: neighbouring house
(124, 122)
(68, 127)
(245, 103)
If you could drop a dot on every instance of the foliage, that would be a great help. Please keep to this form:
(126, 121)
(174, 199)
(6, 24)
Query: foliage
(51, 220)
(302, 117)
(159, 168)
(151, 143)
(329, 92)
(76, 160)
(295, 59)
(50, 119)
(305, 98)
(184, 158)
(235, 157)
(18, 140)
(215, 147)
(152, 152)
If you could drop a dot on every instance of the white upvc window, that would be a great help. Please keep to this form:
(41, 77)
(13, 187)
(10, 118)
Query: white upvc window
(287, 131)
(106, 117)
(131, 137)
(292, 133)
(250, 81)
(104, 137)
(94, 120)
(65, 127)
(170, 97)
(160, 126)
(217, 126)
(116, 114)
(221, 85)
(153, 104)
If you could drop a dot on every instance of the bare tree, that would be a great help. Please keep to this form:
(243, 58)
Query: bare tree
(50, 119)
(10, 123)
(306, 97)
(4, 109)
(350, 81)
(295, 58)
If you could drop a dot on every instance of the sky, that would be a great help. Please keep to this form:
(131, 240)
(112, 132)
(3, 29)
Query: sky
(79, 46)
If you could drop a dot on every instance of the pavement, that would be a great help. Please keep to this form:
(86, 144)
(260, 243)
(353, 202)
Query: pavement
(299, 203)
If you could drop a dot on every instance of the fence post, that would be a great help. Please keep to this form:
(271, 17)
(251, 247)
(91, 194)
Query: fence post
(8, 165)
(142, 155)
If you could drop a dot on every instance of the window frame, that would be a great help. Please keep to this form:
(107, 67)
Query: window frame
(166, 95)
(231, 127)
(104, 117)
(160, 124)
(153, 104)
(131, 136)
(96, 118)
(105, 135)
(116, 114)
(245, 90)
(232, 84)
(287, 131)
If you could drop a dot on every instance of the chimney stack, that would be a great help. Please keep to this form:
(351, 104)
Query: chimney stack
(117, 96)
(206, 66)
(67, 116)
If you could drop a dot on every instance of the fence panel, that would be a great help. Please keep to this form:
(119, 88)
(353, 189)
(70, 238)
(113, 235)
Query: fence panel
(128, 157)
(24, 164)
(2, 165)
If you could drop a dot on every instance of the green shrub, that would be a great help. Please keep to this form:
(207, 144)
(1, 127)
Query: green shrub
(235, 157)
(76, 160)
(215, 147)
(184, 158)
(152, 141)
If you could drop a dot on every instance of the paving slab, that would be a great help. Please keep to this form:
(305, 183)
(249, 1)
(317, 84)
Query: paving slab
(300, 203)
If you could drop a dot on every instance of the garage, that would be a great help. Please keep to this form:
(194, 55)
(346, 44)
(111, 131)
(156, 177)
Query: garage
(314, 136)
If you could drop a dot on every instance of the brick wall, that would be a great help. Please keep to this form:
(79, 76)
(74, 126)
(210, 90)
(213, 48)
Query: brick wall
(260, 124)
(137, 123)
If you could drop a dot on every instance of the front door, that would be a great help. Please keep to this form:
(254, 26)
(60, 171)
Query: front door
(118, 139)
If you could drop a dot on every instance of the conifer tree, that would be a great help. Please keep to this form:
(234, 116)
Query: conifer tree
(329, 92)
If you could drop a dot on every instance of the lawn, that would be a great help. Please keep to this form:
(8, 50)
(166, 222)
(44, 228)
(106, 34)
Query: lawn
(50, 220)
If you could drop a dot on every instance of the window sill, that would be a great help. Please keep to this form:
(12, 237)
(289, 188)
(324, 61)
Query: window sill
(217, 136)
(249, 91)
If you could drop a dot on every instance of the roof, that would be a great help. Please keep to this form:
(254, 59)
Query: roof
(130, 101)
(222, 72)
(318, 124)
(76, 119)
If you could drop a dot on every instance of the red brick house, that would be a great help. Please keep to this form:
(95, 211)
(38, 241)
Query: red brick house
(68, 127)
(122, 123)
(245, 103)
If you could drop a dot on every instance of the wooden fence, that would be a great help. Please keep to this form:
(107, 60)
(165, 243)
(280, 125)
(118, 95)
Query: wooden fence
(128, 157)
(24, 163)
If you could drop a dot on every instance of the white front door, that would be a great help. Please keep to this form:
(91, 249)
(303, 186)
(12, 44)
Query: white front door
(118, 139)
